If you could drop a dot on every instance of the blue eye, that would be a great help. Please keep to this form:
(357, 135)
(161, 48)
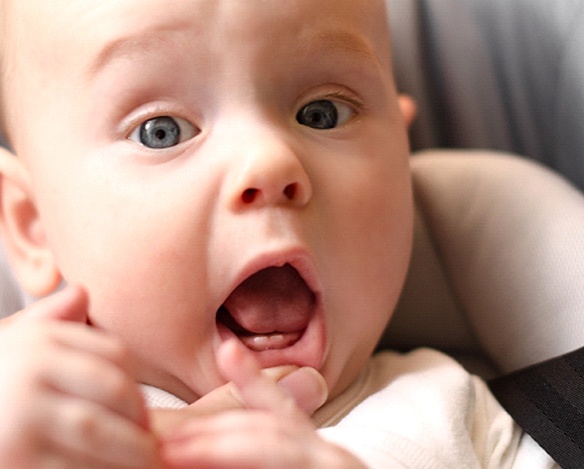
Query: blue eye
(324, 114)
(163, 132)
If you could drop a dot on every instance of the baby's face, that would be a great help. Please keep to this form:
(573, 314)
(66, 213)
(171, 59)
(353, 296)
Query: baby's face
(219, 168)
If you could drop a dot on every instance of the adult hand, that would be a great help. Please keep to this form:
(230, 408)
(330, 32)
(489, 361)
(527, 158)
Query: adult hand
(272, 432)
(305, 385)
(68, 395)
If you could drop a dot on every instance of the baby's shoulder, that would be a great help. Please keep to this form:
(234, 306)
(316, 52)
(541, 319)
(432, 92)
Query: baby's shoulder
(389, 369)
(425, 410)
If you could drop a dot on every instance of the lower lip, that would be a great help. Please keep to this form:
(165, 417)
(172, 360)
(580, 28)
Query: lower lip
(307, 348)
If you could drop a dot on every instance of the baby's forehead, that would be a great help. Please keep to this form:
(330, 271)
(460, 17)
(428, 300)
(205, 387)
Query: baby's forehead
(85, 28)
(41, 11)
(63, 22)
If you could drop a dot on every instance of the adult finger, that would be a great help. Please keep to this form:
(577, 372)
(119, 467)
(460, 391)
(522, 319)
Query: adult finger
(244, 439)
(84, 431)
(304, 389)
(69, 304)
(221, 399)
(307, 387)
(95, 379)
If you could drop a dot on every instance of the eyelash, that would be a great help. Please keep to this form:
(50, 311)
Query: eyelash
(347, 99)
(152, 111)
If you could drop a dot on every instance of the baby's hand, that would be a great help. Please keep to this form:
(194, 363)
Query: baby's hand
(272, 432)
(67, 393)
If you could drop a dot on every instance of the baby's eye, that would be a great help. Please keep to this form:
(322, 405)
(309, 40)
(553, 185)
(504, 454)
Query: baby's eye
(163, 132)
(324, 114)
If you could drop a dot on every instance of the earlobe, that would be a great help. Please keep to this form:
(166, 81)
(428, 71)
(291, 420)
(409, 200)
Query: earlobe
(23, 234)
(408, 109)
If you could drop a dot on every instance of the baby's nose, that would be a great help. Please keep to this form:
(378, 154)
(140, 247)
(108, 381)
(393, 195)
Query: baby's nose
(269, 172)
(250, 195)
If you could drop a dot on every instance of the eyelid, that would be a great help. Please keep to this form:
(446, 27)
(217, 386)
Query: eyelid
(336, 95)
(347, 98)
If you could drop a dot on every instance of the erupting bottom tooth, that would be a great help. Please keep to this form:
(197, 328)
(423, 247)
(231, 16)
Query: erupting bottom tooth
(278, 341)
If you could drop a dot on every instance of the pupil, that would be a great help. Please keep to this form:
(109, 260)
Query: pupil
(317, 117)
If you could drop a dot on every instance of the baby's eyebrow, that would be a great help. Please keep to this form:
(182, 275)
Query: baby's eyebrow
(345, 41)
(351, 48)
(131, 45)
(320, 42)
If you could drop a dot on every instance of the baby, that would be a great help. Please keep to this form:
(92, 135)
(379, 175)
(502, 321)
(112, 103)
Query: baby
(228, 181)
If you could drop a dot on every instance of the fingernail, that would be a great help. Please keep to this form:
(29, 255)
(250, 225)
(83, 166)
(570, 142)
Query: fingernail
(307, 387)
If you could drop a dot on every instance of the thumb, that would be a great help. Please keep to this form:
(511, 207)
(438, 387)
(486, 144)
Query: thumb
(69, 304)
(307, 387)
(303, 389)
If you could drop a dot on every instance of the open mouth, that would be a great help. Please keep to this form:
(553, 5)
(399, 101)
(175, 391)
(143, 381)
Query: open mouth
(270, 310)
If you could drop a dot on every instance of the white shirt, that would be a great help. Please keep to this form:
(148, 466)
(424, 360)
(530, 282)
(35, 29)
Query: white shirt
(418, 410)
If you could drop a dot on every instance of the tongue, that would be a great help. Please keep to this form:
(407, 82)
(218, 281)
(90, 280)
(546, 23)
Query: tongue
(271, 309)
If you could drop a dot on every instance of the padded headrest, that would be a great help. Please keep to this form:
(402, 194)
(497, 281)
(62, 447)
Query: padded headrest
(500, 248)
(12, 298)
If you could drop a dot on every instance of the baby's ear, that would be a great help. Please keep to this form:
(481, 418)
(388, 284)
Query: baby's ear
(23, 234)
(407, 106)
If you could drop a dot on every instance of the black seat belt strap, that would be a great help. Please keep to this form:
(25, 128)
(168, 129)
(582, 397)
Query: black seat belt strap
(547, 401)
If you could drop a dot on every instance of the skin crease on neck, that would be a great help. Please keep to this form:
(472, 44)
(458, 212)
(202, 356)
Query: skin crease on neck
(161, 238)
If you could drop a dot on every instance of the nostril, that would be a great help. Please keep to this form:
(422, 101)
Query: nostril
(290, 191)
(249, 196)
